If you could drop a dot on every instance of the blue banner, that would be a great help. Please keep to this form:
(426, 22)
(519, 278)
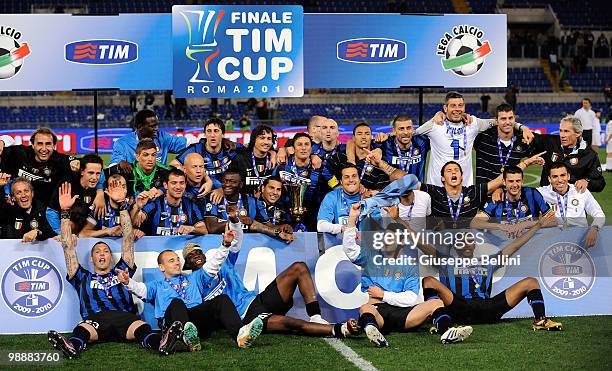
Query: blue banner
(250, 51)
(36, 296)
(236, 51)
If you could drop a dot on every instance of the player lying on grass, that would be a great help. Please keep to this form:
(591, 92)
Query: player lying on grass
(392, 303)
(466, 291)
(179, 305)
(275, 301)
(107, 308)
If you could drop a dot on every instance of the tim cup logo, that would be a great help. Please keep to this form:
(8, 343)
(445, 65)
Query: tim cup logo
(32, 287)
(202, 47)
(567, 270)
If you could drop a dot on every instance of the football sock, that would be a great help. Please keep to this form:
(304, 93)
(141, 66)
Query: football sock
(313, 308)
(80, 337)
(147, 337)
(429, 293)
(535, 299)
(367, 319)
(441, 319)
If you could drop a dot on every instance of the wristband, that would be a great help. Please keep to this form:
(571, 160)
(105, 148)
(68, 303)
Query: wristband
(65, 214)
(226, 245)
(124, 205)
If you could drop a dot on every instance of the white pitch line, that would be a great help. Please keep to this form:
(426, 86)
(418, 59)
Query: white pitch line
(350, 354)
(535, 182)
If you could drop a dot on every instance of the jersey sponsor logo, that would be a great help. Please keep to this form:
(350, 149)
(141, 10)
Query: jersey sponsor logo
(32, 286)
(463, 52)
(567, 270)
(113, 281)
(217, 290)
(371, 50)
(101, 52)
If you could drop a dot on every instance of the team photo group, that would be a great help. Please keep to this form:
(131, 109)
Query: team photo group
(412, 178)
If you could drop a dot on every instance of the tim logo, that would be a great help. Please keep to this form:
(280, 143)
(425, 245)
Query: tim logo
(101, 52)
(371, 50)
(31, 287)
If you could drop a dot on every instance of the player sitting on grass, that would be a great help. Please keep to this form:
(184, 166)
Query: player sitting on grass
(275, 301)
(392, 296)
(107, 308)
(178, 300)
(466, 291)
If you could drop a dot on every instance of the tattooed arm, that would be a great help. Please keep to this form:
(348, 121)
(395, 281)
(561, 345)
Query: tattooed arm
(127, 243)
(69, 241)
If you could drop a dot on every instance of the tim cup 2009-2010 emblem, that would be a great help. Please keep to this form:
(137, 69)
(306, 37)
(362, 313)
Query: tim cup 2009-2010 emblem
(567, 270)
(202, 28)
(32, 287)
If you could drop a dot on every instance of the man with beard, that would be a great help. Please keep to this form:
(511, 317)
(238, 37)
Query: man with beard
(107, 308)
(26, 218)
(452, 136)
(404, 150)
(216, 151)
(254, 163)
(300, 164)
(271, 213)
(171, 214)
(500, 146)
(579, 158)
(83, 187)
(146, 125)
(146, 174)
(42, 165)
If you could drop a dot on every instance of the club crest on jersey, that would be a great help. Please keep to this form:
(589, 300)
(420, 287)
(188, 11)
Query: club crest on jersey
(524, 208)
(34, 224)
(47, 171)
(466, 199)
(573, 161)
(575, 202)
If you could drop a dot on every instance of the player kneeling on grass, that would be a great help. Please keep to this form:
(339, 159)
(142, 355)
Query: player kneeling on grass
(392, 296)
(107, 308)
(466, 291)
(275, 301)
(179, 305)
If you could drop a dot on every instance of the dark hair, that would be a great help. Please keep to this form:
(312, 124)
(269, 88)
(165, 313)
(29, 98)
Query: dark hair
(450, 163)
(361, 124)
(400, 118)
(451, 95)
(79, 212)
(44, 131)
(159, 257)
(348, 166)
(231, 172)
(174, 171)
(513, 169)
(141, 117)
(275, 178)
(558, 165)
(587, 99)
(301, 135)
(96, 244)
(504, 107)
(145, 144)
(215, 121)
(259, 130)
(90, 158)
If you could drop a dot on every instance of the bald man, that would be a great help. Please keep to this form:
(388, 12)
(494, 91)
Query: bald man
(198, 182)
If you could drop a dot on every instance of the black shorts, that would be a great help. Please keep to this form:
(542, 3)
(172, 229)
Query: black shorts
(267, 301)
(394, 317)
(473, 311)
(111, 325)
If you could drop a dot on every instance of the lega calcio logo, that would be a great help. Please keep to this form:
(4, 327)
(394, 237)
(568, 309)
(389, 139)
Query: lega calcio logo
(13, 51)
(32, 287)
(463, 50)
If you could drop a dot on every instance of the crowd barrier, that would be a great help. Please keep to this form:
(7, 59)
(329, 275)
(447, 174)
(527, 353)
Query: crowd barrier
(36, 296)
